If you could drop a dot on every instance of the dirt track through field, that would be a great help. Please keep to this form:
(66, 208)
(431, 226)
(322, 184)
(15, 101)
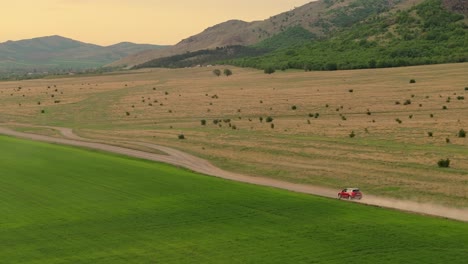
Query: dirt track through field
(182, 159)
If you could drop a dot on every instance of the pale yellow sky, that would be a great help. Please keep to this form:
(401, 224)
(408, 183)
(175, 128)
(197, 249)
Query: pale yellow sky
(107, 22)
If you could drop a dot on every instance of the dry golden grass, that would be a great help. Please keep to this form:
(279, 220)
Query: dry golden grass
(385, 157)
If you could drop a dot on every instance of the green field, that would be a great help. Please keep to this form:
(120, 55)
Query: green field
(66, 205)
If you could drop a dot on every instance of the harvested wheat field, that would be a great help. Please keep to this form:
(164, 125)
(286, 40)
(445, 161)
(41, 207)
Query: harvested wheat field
(375, 129)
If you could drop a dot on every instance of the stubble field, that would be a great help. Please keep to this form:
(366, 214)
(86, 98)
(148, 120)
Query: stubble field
(308, 140)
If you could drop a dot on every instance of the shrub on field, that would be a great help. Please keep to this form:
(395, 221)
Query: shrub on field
(412, 81)
(227, 72)
(444, 107)
(203, 122)
(217, 72)
(462, 133)
(407, 102)
(399, 120)
(294, 107)
(430, 134)
(42, 111)
(261, 119)
(466, 88)
(269, 70)
(444, 163)
(272, 126)
(127, 113)
(447, 140)
(352, 135)
(216, 121)
(460, 97)
(431, 115)
(351, 90)
(269, 119)
(397, 102)
(181, 136)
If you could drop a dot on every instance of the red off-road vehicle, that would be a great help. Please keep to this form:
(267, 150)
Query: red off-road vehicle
(350, 193)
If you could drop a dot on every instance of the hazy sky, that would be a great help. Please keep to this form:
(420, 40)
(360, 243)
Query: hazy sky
(107, 22)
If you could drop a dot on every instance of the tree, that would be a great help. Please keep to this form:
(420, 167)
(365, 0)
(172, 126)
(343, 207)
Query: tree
(227, 72)
(217, 72)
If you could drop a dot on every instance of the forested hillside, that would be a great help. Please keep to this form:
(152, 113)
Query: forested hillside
(426, 33)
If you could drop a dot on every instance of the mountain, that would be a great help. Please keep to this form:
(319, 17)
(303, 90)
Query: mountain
(56, 53)
(321, 18)
(425, 32)
(349, 34)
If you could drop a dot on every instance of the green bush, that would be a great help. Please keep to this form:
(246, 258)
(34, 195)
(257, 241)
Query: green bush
(181, 136)
(412, 81)
(203, 122)
(462, 133)
(227, 72)
(269, 70)
(444, 163)
(269, 119)
(217, 72)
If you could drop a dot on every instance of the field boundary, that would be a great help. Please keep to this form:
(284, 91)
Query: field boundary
(196, 164)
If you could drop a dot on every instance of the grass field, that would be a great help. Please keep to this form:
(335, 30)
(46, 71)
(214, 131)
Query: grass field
(65, 205)
(391, 154)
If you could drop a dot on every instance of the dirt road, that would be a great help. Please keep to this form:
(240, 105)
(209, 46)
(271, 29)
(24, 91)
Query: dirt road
(179, 158)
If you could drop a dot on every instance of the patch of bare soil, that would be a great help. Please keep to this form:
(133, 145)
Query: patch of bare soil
(182, 159)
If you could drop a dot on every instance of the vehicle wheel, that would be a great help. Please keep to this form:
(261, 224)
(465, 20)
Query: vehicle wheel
(339, 196)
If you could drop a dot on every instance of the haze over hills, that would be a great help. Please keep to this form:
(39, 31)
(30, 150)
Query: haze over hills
(58, 53)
